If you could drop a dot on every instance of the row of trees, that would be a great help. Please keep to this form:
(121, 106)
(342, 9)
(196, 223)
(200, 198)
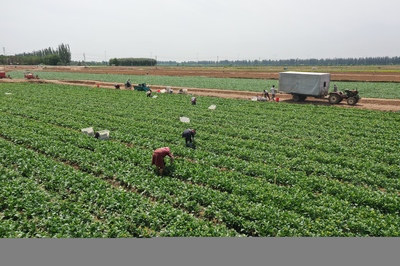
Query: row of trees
(294, 62)
(133, 62)
(47, 56)
(62, 56)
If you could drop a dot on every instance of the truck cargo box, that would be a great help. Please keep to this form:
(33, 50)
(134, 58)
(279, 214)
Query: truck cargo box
(304, 84)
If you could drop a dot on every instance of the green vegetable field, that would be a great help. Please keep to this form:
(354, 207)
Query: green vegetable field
(259, 168)
(387, 90)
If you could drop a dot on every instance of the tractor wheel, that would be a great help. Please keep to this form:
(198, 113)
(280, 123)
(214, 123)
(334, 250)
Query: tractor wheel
(351, 101)
(334, 99)
(296, 98)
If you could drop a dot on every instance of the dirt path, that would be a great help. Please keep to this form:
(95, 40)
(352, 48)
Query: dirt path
(365, 103)
(219, 72)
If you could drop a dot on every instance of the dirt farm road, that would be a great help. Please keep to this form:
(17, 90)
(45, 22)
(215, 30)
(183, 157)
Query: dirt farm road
(364, 103)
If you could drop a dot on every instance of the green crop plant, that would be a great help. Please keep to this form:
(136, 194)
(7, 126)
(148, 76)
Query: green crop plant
(259, 169)
(386, 90)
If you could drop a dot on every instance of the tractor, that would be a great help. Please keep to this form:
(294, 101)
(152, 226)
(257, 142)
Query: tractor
(29, 75)
(351, 96)
(141, 87)
(4, 76)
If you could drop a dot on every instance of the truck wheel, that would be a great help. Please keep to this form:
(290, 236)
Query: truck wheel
(296, 98)
(334, 99)
(303, 98)
(351, 101)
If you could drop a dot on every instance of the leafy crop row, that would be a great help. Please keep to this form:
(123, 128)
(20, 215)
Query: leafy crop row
(367, 89)
(283, 170)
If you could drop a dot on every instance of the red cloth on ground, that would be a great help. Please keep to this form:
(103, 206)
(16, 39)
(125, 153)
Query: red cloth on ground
(158, 156)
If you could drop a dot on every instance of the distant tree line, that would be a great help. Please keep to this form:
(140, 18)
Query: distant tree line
(47, 56)
(89, 63)
(133, 62)
(62, 56)
(293, 62)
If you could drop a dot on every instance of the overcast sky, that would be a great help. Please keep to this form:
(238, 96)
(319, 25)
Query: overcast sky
(191, 30)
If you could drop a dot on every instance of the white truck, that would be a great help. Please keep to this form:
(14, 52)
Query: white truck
(304, 84)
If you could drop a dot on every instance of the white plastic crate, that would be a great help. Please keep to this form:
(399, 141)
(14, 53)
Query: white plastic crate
(184, 119)
(88, 131)
(103, 134)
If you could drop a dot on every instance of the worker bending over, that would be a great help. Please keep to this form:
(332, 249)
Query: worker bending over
(128, 84)
(266, 95)
(188, 134)
(158, 158)
(193, 100)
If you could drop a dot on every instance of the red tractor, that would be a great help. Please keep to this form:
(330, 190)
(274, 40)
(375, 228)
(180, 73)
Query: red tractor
(4, 76)
(29, 75)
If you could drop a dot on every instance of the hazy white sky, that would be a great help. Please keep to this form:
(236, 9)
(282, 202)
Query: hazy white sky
(191, 30)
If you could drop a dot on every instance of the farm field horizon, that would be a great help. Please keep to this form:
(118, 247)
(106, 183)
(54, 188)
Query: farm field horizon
(259, 169)
(367, 89)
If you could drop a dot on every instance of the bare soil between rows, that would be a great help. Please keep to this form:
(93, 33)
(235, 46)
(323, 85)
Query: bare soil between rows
(219, 72)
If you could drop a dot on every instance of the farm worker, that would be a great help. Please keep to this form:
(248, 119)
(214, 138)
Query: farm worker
(273, 93)
(116, 86)
(148, 93)
(188, 134)
(266, 94)
(334, 88)
(158, 158)
(193, 100)
(128, 83)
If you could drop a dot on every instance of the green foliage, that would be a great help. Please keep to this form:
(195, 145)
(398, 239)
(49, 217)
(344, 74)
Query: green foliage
(133, 61)
(49, 56)
(52, 59)
(259, 169)
(386, 90)
(64, 53)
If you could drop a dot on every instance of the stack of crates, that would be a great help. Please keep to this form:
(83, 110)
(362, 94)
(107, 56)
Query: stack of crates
(88, 131)
(103, 134)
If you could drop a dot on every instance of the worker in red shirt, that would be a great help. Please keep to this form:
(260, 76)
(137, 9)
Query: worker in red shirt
(158, 158)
